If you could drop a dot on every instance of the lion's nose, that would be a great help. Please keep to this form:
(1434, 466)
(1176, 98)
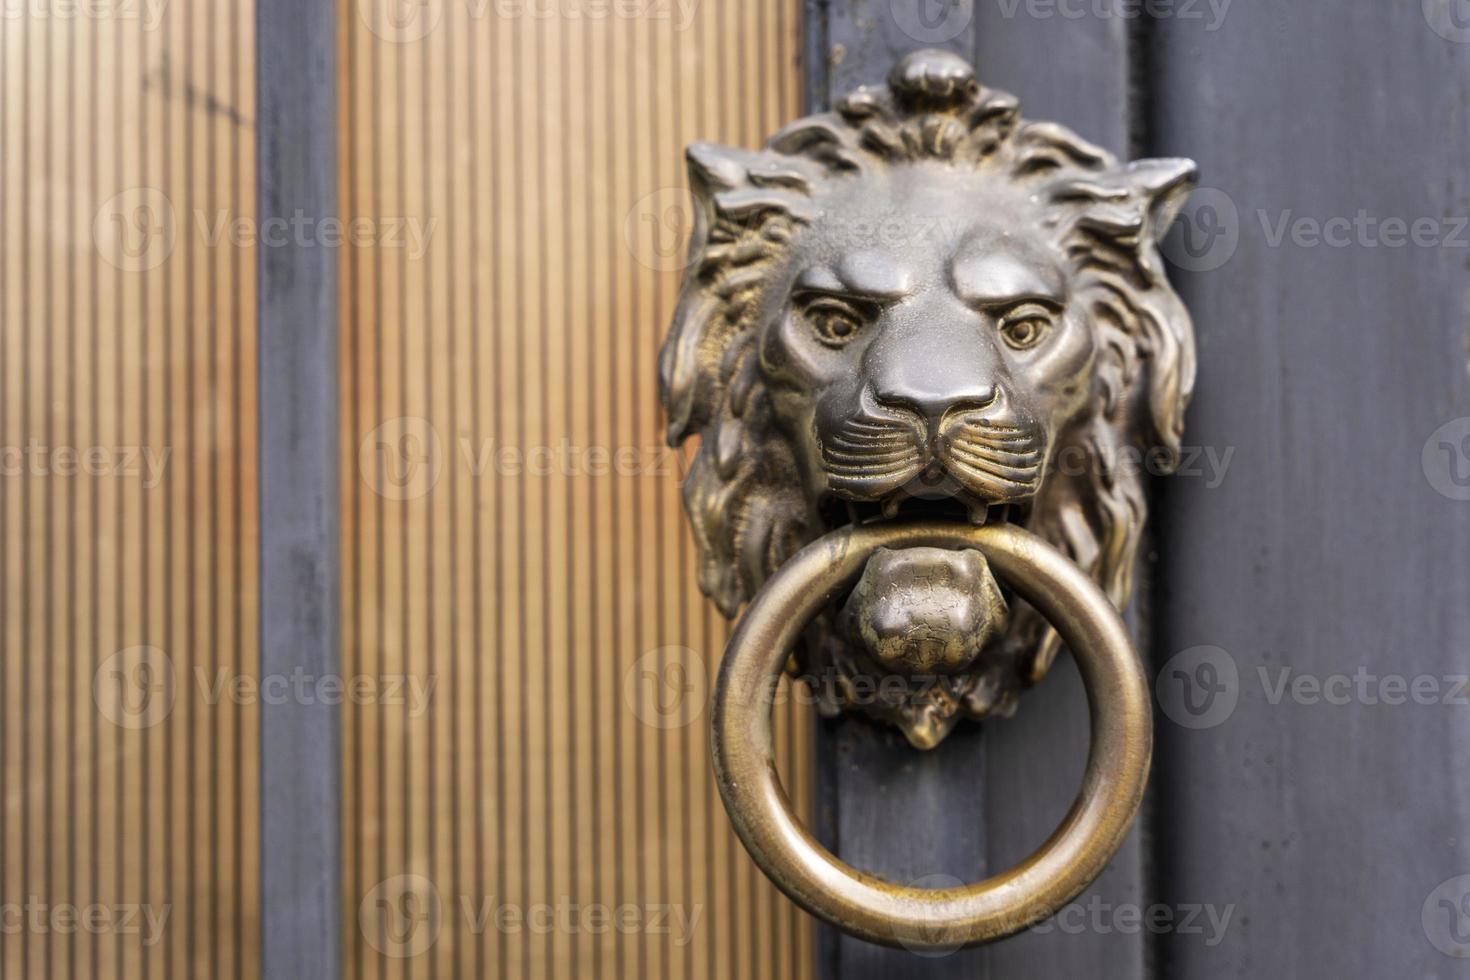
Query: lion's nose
(932, 363)
(934, 402)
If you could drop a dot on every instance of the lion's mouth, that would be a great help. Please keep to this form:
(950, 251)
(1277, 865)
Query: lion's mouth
(906, 505)
(932, 617)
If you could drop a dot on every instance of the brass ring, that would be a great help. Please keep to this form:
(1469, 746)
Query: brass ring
(897, 915)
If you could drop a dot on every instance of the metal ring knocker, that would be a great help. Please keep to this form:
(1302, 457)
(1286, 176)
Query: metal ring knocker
(865, 906)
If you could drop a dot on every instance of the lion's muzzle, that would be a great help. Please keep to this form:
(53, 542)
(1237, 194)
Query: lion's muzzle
(876, 455)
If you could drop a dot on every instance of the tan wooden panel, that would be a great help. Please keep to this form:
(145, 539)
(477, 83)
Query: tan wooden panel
(127, 496)
(512, 532)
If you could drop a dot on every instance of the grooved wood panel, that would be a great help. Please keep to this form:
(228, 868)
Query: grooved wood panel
(513, 539)
(127, 497)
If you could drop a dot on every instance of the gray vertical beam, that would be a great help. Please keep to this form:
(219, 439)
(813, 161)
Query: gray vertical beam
(883, 806)
(1068, 64)
(908, 817)
(1336, 542)
(983, 800)
(865, 37)
(299, 526)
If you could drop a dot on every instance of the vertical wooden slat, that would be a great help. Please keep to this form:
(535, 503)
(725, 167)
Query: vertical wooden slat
(531, 589)
(109, 115)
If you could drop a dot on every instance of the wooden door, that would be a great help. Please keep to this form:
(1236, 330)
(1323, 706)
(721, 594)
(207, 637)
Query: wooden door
(536, 566)
(128, 495)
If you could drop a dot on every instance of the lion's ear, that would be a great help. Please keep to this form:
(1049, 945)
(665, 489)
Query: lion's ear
(741, 185)
(1164, 183)
(1134, 203)
(714, 166)
(686, 387)
(1131, 208)
(744, 201)
(1168, 333)
(713, 170)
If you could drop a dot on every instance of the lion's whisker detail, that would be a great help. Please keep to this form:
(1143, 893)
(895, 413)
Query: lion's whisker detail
(864, 473)
(865, 457)
(990, 425)
(886, 439)
(838, 448)
(999, 465)
(865, 462)
(1030, 464)
(1011, 480)
(885, 427)
(838, 466)
(997, 435)
(863, 451)
(1000, 452)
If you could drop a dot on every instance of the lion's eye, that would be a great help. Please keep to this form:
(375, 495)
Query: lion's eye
(1025, 326)
(834, 322)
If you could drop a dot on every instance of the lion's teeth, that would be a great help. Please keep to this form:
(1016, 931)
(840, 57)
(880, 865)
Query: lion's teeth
(890, 506)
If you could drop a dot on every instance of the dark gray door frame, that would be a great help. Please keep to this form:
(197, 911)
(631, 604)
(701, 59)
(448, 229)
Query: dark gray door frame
(300, 748)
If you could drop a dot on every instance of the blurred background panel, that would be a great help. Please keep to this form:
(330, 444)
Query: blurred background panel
(513, 542)
(128, 835)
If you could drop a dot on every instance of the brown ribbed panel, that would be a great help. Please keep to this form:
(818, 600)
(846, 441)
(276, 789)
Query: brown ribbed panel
(133, 348)
(537, 599)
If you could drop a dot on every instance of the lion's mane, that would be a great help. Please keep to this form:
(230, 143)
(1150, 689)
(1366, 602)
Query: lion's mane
(746, 506)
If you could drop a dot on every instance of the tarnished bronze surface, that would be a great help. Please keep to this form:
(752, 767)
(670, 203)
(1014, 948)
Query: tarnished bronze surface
(917, 918)
(923, 340)
(925, 611)
(922, 305)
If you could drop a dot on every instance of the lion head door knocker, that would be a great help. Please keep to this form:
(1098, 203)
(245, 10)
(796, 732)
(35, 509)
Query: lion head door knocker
(925, 345)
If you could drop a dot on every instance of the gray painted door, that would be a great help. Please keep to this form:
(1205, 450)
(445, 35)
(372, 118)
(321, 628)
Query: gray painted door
(1305, 604)
(1337, 545)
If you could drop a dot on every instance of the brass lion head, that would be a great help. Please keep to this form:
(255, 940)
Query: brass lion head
(921, 305)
